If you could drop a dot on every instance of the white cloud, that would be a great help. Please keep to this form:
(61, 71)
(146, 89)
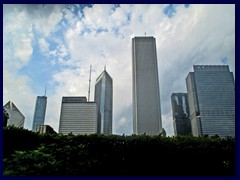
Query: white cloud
(200, 34)
(44, 46)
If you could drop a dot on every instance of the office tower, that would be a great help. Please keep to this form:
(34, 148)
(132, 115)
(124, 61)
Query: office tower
(42, 129)
(180, 110)
(16, 118)
(40, 111)
(78, 116)
(211, 98)
(104, 99)
(146, 95)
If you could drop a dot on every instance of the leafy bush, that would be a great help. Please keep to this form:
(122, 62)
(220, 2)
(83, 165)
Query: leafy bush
(116, 155)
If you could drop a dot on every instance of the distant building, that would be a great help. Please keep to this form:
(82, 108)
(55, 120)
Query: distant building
(180, 110)
(16, 118)
(146, 96)
(78, 116)
(42, 129)
(40, 111)
(211, 98)
(104, 99)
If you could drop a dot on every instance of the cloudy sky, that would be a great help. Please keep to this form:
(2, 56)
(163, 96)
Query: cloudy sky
(55, 45)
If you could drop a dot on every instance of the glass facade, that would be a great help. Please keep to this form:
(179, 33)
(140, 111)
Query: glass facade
(146, 95)
(40, 111)
(104, 99)
(180, 110)
(211, 94)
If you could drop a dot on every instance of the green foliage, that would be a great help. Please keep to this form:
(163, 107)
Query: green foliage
(116, 155)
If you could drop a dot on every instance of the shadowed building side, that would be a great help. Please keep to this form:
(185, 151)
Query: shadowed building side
(104, 99)
(211, 98)
(180, 110)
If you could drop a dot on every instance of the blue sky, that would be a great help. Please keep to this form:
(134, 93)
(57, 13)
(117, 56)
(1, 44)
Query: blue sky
(55, 45)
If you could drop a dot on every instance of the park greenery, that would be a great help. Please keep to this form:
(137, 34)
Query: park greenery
(27, 153)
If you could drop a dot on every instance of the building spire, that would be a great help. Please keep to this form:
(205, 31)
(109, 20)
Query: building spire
(104, 67)
(45, 91)
(89, 83)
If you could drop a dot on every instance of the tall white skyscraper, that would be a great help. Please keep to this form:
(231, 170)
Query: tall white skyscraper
(40, 111)
(104, 99)
(211, 99)
(78, 116)
(146, 95)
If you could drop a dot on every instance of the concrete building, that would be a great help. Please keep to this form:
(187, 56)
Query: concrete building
(42, 129)
(78, 116)
(40, 111)
(104, 99)
(16, 118)
(211, 98)
(146, 95)
(180, 111)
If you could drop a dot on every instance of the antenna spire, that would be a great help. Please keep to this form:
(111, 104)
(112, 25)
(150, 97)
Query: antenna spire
(45, 91)
(89, 83)
(104, 67)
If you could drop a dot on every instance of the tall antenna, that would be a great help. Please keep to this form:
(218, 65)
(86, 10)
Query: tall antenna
(89, 83)
(45, 91)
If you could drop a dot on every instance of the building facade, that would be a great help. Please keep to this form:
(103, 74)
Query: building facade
(40, 111)
(78, 116)
(180, 110)
(15, 117)
(43, 129)
(211, 98)
(104, 99)
(146, 95)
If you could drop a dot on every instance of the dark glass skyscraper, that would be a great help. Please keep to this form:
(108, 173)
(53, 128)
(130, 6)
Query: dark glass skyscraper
(180, 110)
(40, 111)
(146, 95)
(211, 99)
(104, 99)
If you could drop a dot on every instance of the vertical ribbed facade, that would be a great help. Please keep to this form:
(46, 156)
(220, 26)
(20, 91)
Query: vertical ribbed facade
(104, 99)
(78, 116)
(40, 111)
(180, 110)
(211, 97)
(146, 95)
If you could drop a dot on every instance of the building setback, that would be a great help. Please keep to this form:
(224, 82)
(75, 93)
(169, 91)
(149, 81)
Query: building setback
(40, 111)
(146, 95)
(104, 99)
(180, 110)
(16, 118)
(211, 98)
(78, 116)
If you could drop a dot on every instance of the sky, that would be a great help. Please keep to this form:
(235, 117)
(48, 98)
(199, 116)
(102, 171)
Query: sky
(54, 46)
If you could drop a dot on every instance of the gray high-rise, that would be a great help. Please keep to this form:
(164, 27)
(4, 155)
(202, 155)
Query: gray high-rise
(146, 95)
(40, 111)
(104, 99)
(211, 97)
(180, 110)
(78, 116)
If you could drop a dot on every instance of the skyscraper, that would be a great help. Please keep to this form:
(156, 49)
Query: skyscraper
(104, 99)
(211, 97)
(40, 111)
(16, 118)
(180, 110)
(78, 116)
(146, 95)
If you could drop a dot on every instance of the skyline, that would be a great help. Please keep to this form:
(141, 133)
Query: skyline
(55, 45)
